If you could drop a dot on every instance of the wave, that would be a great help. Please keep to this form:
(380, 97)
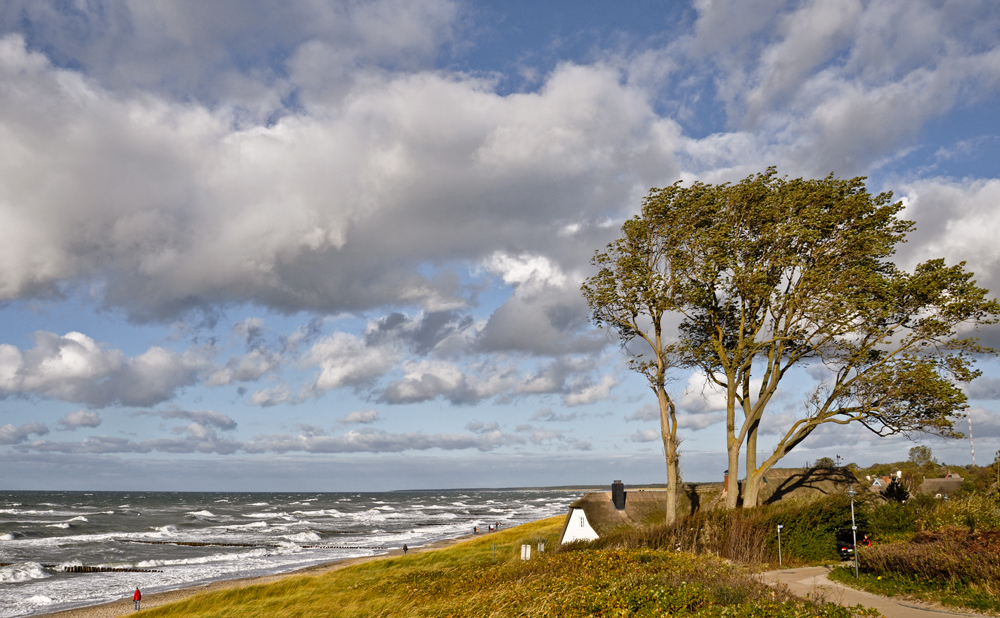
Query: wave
(271, 515)
(59, 525)
(254, 553)
(22, 572)
(320, 513)
(202, 514)
(303, 537)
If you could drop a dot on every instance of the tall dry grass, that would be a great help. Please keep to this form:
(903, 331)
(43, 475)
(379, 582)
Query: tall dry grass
(950, 555)
(749, 536)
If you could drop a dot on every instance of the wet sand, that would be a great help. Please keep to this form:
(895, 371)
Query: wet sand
(124, 607)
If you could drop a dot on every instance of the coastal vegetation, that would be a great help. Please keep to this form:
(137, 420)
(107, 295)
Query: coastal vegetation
(770, 274)
(467, 580)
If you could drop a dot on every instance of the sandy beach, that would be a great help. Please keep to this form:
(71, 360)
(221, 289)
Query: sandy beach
(124, 606)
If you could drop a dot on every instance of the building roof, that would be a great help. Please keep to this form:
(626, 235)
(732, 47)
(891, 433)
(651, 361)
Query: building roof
(641, 507)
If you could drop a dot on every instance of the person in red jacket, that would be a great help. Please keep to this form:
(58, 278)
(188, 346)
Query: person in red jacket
(136, 598)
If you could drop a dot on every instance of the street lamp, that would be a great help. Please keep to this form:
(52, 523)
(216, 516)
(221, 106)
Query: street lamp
(854, 529)
(779, 543)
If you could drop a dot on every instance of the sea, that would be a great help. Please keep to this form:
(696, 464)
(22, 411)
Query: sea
(63, 550)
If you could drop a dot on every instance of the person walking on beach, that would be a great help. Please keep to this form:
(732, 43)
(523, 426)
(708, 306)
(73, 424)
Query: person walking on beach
(136, 598)
(405, 549)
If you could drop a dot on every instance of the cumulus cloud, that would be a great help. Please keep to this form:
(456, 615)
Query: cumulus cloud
(211, 418)
(345, 360)
(9, 434)
(417, 169)
(373, 441)
(819, 86)
(80, 418)
(362, 417)
(194, 438)
(585, 391)
(646, 412)
(549, 416)
(702, 403)
(645, 435)
(74, 367)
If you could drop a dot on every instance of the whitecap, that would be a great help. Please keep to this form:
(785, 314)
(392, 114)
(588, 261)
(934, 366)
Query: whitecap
(80, 518)
(39, 599)
(303, 537)
(22, 572)
(60, 525)
(201, 514)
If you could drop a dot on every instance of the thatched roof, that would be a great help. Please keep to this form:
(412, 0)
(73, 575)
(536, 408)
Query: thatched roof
(940, 486)
(641, 507)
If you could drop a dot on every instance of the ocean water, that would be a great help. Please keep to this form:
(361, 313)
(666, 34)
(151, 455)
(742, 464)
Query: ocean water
(181, 539)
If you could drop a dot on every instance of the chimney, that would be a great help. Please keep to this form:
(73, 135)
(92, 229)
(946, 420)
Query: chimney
(618, 495)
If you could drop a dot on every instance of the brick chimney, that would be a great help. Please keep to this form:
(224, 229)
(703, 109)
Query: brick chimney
(618, 495)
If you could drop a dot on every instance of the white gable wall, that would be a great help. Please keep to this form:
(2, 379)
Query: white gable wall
(579, 528)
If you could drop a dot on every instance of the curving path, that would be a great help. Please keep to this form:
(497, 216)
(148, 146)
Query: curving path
(812, 582)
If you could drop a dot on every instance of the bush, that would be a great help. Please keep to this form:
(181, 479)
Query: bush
(750, 535)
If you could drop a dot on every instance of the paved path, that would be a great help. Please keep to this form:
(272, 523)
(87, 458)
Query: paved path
(812, 581)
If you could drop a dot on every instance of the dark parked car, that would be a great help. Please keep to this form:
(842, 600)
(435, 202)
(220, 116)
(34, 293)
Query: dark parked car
(845, 545)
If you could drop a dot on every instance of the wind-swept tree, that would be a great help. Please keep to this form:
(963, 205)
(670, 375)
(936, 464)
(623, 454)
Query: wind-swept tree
(632, 294)
(773, 274)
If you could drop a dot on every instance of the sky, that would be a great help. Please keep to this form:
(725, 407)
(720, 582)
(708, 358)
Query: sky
(263, 245)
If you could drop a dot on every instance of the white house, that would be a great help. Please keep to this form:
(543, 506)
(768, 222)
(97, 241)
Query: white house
(578, 528)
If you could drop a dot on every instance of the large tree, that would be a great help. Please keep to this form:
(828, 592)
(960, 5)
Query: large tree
(634, 290)
(770, 274)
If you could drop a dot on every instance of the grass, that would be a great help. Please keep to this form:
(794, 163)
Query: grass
(464, 580)
(953, 566)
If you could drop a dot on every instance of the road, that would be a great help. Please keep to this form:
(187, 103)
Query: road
(812, 582)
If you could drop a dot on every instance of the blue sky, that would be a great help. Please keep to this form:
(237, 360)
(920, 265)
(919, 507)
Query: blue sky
(338, 245)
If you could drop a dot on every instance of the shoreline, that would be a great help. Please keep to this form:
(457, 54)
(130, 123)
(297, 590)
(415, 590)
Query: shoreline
(124, 606)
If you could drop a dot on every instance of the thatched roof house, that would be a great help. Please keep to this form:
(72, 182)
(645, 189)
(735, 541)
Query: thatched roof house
(595, 514)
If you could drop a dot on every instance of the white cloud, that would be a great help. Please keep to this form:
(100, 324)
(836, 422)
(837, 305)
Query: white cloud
(326, 212)
(586, 391)
(9, 434)
(80, 418)
(363, 417)
(645, 435)
(74, 367)
(345, 360)
(646, 412)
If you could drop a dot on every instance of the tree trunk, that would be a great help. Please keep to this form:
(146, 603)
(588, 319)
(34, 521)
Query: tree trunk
(668, 430)
(751, 489)
(733, 492)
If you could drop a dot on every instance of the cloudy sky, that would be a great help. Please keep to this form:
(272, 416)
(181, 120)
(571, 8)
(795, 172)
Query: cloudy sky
(338, 245)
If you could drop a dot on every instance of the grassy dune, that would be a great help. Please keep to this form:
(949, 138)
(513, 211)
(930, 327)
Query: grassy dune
(464, 580)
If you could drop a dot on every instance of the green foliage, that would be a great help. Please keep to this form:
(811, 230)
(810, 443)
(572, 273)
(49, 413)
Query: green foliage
(770, 273)
(750, 536)
(977, 511)
(895, 491)
(921, 455)
(950, 565)
(895, 520)
(919, 588)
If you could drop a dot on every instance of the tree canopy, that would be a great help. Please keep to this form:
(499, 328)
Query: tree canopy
(771, 274)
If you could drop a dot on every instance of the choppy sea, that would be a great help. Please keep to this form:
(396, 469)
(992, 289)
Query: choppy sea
(53, 543)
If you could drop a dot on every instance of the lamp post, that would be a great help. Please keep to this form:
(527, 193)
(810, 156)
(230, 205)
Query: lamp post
(779, 543)
(854, 529)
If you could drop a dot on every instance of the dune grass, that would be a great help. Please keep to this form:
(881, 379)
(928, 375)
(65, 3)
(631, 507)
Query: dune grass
(464, 580)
